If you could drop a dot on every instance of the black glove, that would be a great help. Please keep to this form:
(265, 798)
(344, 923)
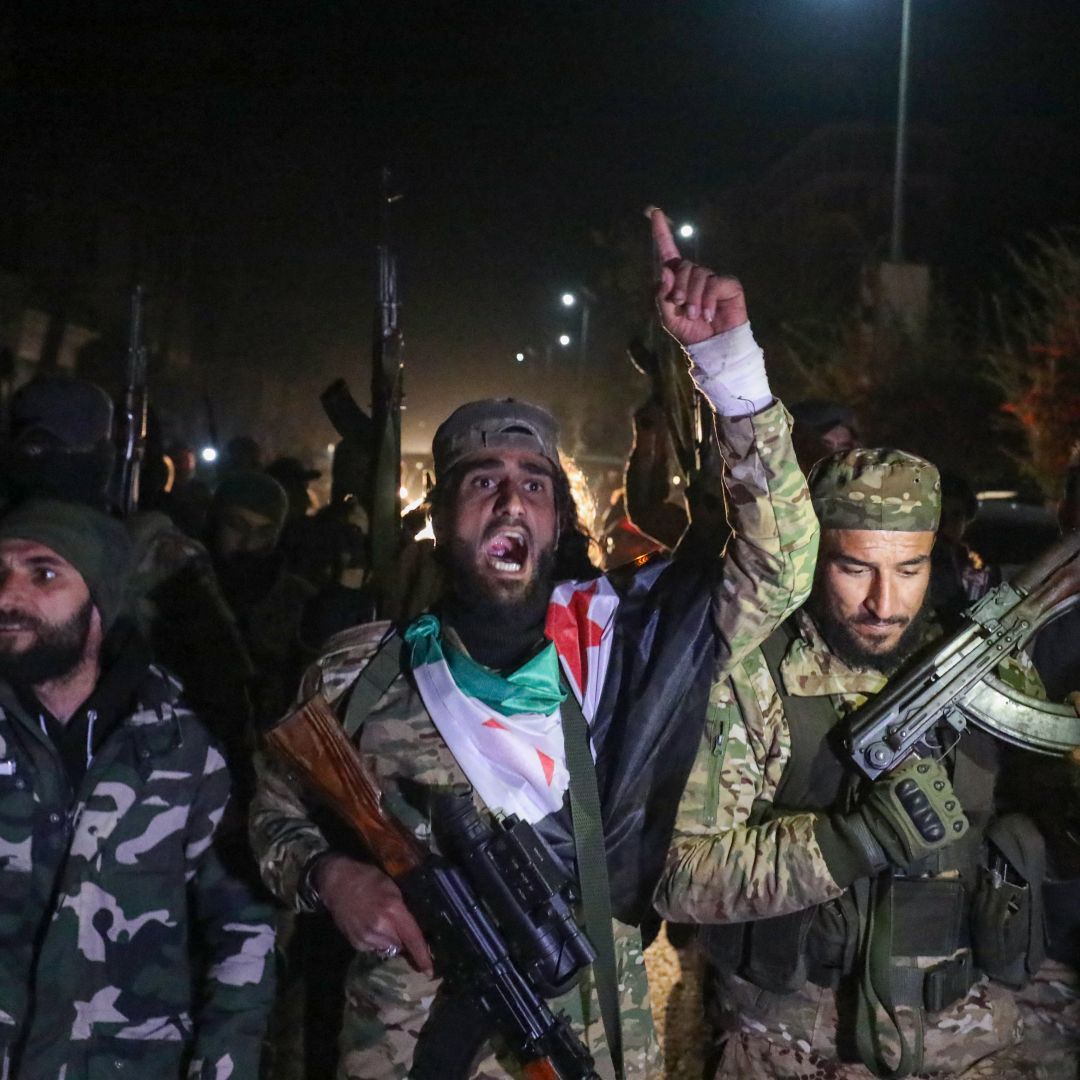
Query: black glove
(907, 815)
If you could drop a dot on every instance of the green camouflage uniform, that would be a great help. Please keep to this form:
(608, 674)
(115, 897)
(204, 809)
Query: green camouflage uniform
(732, 861)
(128, 947)
(771, 560)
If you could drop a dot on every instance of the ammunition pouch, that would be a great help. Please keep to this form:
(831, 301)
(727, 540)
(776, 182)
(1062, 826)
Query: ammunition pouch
(1008, 921)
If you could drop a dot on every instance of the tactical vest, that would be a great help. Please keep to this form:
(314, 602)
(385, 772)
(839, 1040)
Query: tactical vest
(944, 908)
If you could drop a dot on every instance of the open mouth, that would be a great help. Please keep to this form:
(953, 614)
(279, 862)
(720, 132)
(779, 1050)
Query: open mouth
(507, 550)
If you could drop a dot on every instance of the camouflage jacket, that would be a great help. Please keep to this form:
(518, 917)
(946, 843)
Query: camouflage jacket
(726, 864)
(767, 571)
(126, 943)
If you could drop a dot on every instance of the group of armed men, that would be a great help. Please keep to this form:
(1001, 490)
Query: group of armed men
(152, 849)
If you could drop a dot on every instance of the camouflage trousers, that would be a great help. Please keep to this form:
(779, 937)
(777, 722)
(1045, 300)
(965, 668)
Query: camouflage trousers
(387, 1004)
(991, 1034)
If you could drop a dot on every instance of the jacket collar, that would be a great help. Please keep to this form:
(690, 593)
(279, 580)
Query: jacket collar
(811, 669)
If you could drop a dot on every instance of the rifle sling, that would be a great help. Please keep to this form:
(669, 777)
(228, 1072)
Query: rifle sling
(593, 871)
(373, 682)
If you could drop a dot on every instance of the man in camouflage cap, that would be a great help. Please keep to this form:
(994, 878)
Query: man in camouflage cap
(804, 873)
(127, 947)
(638, 656)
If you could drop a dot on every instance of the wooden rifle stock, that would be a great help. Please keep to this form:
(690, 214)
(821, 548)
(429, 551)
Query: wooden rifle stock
(313, 742)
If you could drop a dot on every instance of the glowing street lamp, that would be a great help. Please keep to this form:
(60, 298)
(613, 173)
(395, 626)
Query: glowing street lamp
(564, 340)
(519, 357)
(686, 231)
(209, 455)
(569, 299)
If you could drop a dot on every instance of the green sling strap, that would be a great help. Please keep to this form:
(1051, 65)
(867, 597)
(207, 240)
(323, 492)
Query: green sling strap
(592, 871)
(374, 681)
(378, 674)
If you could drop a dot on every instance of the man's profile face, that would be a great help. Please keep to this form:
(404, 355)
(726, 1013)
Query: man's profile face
(869, 590)
(502, 526)
(46, 613)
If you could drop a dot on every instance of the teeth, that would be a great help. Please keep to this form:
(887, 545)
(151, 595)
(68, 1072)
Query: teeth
(503, 564)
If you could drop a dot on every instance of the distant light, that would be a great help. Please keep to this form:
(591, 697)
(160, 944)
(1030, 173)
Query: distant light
(564, 340)
(519, 357)
(403, 491)
(676, 480)
(209, 455)
(686, 231)
(329, 447)
(568, 299)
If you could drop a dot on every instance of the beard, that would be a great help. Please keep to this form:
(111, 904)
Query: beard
(56, 650)
(842, 639)
(502, 601)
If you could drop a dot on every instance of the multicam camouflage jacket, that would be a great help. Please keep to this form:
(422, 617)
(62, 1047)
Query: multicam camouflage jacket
(735, 859)
(128, 948)
(768, 570)
(723, 865)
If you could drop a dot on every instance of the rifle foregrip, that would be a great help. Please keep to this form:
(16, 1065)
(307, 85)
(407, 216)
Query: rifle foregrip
(312, 741)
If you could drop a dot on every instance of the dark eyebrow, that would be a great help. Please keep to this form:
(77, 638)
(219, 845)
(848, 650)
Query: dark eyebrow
(484, 464)
(916, 560)
(535, 470)
(47, 560)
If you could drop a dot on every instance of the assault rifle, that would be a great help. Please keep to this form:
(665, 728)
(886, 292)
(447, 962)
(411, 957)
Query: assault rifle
(133, 409)
(494, 906)
(956, 684)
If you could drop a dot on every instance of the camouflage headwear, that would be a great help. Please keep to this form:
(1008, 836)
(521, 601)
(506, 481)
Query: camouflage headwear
(884, 489)
(495, 423)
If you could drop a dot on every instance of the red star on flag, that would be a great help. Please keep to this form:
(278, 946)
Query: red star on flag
(574, 633)
(548, 765)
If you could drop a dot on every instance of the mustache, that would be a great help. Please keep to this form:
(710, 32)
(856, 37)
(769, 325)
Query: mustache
(18, 620)
(873, 620)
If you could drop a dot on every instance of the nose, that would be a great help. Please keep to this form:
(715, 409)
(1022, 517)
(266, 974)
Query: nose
(508, 502)
(881, 599)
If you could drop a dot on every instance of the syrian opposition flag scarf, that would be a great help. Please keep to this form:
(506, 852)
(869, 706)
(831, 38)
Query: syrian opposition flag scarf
(506, 731)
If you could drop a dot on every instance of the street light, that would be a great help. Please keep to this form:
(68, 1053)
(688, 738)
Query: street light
(570, 299)
(686, 231)
(519, 357)
(209, 455)
(564, 340)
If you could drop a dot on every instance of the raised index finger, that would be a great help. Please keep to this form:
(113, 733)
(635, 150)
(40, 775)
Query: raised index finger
(661, 234)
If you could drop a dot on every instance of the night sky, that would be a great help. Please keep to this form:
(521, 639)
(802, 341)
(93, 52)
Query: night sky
(515, 130)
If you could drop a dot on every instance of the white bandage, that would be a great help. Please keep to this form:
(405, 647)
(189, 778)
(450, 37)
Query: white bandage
(729, 369)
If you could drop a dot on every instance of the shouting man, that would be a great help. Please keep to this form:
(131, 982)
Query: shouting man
(125, 943)
(479, 691)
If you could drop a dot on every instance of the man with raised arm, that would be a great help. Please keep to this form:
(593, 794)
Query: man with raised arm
(528, 631)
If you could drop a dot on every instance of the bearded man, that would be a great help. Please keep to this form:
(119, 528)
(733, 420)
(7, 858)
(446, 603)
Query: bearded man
(858, 929)
(126, 945)
(477, 693)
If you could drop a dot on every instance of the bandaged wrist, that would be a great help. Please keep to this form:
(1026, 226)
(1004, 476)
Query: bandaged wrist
(729, 369)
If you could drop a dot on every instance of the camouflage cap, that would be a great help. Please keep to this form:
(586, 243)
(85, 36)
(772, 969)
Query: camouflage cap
(884, 489)
(494, 424)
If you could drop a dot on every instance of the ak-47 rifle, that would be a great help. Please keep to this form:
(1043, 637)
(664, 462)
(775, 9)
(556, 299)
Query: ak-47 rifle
(494, 906)
(956, 683)
(133, 409)
(386, 399)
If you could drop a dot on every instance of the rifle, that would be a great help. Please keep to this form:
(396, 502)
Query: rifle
(494, 906)
(133, 408)
(386, 400)
(955, 684)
